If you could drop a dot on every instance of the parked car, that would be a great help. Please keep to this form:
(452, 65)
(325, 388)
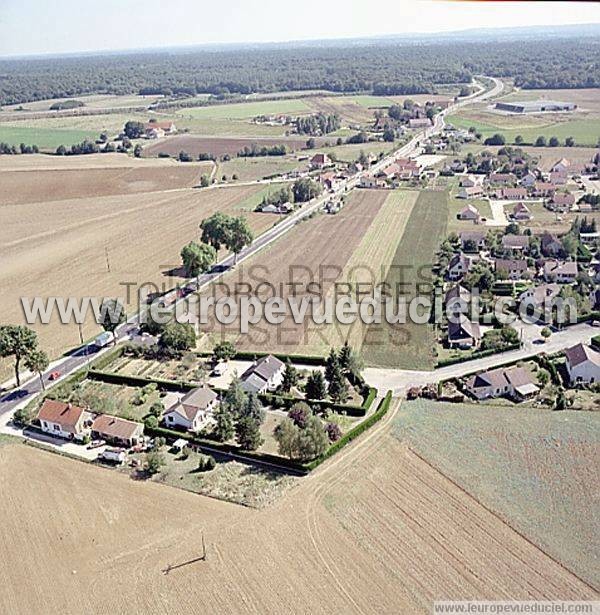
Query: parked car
(96, 444)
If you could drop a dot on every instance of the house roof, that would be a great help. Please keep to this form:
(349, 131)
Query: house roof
(513, 193)
(320, 158)
(267, 367)
(519, 378)
(509, 264)
(458, 292)
(200, 397)
(580, 354)
(475, 236)
(64, 414)
(494, 378)
(543, 292)
(563, 198)
(557, 268)
(162, 125)
(469, 209)
(515, 241)
(463, 328)
(520, 208)
(115, 427)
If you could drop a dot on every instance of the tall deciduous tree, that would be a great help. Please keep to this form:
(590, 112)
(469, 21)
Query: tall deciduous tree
(112, 314)
(17, 341)
(37, 361)
(214, 230)
(198, 258)
(238, 235)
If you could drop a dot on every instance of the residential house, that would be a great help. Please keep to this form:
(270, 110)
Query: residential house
(320, 160)
(558, 178)
(164, 128)
(560, 272)
(528, 180)
(521, 212)
(420, 122)
(390, 171)
(330, 181)
(476, 237)
(468, 182)
(511, 194)
(515, 243)
(543, 189)
(369, 181)
(193, 411)
(276, 208)
(266, 374)
(513, 382)
(64, 420)
(457, 299)
(551, 245)
(562, 166)
(470, 212)
(513, 268)
(154, 133)
(540, 296)
(502, 179)
(583, 364)
(561, 202)
(473, 192)
(462, 333)
(117, 430)
(407, 168)
(459, 265)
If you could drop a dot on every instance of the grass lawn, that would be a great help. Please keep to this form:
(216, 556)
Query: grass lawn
(410, 346)
(365, 100)
(585, 132)
(455, 205)
(44, 138)
(91, 124)
(223, 127)
(536, 468)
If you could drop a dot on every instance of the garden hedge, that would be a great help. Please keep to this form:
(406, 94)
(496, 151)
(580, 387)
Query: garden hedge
(477, 355)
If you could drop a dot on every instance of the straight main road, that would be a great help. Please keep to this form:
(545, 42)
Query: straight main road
(79, 357)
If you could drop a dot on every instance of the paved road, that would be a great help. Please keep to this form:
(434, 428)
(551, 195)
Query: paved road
(80, 356)
(400, 380)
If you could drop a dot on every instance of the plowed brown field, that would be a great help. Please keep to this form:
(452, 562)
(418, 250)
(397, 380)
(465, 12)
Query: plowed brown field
(375, 530)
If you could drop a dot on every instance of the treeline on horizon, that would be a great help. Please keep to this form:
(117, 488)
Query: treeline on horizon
(381, 69)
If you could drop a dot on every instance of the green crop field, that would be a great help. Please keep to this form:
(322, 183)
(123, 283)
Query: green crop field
(585, 132)
(366, 100)
(537, 469)
(410, 346)
(44, 138)
(248, 110)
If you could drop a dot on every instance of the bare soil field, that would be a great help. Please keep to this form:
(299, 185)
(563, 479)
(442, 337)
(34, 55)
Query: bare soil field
(219, 145)
(348, 110)
(374, 530)
(18, 187)
(61, 248)
(315, 253)
(537, 469)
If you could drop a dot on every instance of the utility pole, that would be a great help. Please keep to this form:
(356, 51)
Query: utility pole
(107, 259)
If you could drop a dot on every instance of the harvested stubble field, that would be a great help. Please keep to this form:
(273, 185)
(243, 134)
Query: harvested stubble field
(19, 186)
(316, 252)
(539, 470)
(374, 530)
(194, 144)
(60, 248)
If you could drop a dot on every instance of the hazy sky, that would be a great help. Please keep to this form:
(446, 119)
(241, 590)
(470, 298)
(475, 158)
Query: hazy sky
(57, 26)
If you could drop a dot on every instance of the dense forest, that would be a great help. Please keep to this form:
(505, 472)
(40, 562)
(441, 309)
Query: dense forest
(380, 68)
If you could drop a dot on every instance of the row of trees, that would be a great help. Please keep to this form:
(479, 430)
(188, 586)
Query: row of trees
(541, 141)
(11, 150)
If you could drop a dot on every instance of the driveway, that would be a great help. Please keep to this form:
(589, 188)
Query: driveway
(498, 216)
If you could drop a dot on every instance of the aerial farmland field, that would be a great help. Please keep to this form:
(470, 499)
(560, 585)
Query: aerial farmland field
(67, 246)
(44, 138)
(385, 532)
(536, 469)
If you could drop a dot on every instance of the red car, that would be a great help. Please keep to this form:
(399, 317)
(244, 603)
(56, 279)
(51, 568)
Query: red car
(54, 375)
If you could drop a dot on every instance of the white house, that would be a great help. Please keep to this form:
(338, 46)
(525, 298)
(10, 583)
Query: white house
(264, 375)
(583, 364)
(64, 420)
(193, 411)
(513, 382)
(563, 273)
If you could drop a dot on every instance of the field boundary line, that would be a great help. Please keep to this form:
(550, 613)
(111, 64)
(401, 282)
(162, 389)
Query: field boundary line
(500, 517)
